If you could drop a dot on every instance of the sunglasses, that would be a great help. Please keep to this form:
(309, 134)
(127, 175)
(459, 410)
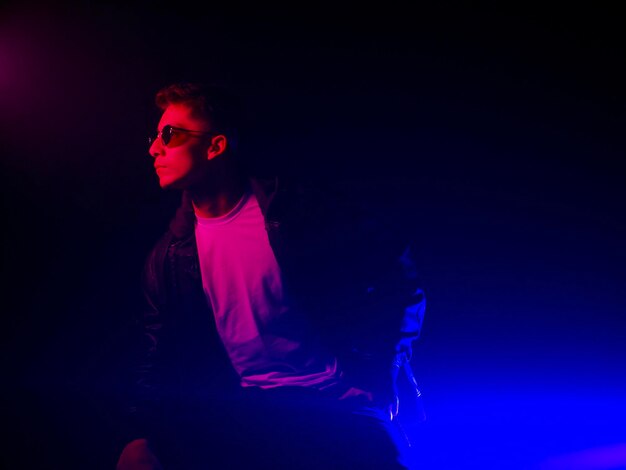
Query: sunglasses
(168, 132)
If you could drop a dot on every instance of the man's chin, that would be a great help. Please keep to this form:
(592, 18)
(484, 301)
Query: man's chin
(167, 184)
(175, 183)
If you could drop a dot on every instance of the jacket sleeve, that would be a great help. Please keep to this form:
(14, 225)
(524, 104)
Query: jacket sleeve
(389, 320)
(399, 302)
(144, 396)
(413, 307)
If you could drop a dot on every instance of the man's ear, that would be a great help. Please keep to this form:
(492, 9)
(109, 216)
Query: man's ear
(218, 146)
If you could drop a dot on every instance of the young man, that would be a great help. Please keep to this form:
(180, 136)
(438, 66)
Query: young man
(276, 318)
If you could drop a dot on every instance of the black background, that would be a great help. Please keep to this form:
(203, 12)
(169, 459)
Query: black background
(497, 133)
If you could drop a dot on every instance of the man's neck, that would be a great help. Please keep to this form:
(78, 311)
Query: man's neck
(218, 199)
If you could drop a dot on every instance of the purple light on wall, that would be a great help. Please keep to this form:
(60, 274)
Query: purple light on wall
(600, 458)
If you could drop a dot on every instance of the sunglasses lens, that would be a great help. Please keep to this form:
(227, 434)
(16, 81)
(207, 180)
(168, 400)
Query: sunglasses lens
(166, 135)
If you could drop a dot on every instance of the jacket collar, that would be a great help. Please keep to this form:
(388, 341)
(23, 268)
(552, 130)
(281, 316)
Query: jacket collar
(183, 223)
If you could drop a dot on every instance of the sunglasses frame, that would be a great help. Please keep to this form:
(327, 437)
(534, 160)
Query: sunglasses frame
(168, 131)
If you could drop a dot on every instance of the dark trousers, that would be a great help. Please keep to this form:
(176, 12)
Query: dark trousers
(281, 429)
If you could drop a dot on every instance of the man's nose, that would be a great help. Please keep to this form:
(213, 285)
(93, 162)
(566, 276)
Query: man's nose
(156, 148)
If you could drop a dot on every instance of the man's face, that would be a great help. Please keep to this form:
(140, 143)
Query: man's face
(183, 161)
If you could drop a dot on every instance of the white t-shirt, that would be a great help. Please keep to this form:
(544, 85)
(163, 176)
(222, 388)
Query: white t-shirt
(266, 341)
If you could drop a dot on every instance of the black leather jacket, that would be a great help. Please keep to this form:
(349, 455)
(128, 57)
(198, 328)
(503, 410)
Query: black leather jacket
(349, 271)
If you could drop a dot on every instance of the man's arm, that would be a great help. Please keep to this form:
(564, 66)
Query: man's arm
(388, 321)
(413, 306)
(142, 400)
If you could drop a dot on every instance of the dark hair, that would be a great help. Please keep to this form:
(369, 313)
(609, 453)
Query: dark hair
(218, 105)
